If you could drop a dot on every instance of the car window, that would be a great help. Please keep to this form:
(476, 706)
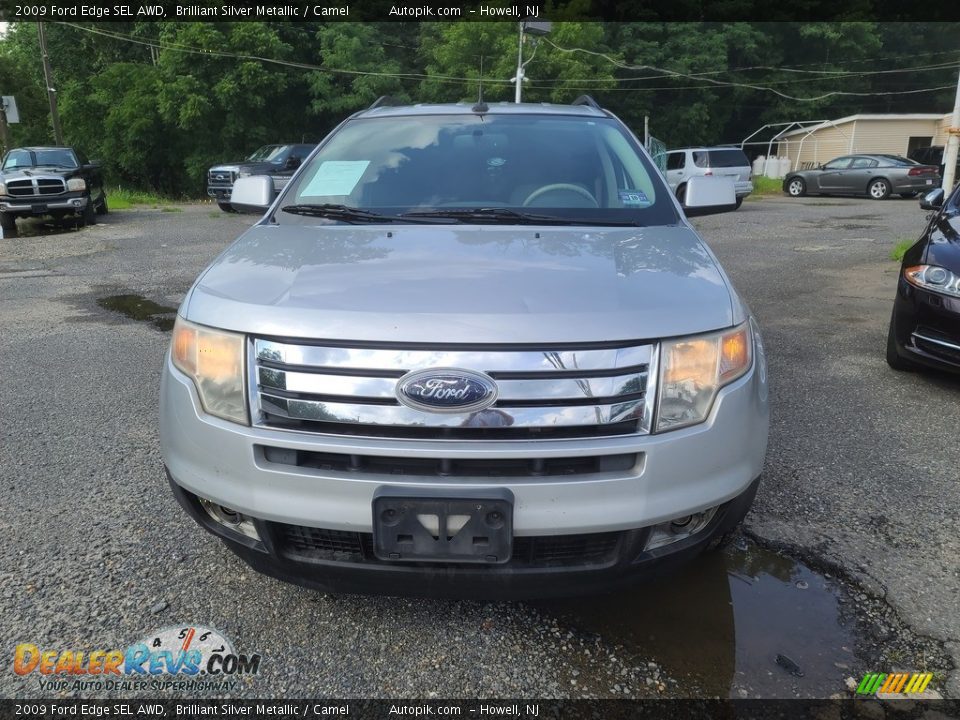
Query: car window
(860, 162)
(398, 164)
(838, 164)
(17, 158)
(701, 158)
(55, 157)
(264, 153)
(896, 160)
(728, 158)
(676, 160)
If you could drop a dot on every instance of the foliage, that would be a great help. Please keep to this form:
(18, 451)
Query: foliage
(903, 244)
(159, 102)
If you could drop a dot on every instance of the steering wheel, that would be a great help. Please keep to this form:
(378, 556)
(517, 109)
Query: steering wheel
(539, 192)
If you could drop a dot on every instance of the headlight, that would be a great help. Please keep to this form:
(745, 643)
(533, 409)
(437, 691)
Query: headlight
(3, 188)
(214, 361)
(244, 173)
(693, 369)
(932, 277)
(76, 184)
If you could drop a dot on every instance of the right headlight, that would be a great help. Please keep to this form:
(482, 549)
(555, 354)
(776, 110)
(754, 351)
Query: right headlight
(3, 188)
(213, 359)
(76, 184)
(693, 369)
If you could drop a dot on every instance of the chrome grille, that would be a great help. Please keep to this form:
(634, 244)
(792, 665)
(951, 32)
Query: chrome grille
(573, 391)
(220, 178)
(34, 187)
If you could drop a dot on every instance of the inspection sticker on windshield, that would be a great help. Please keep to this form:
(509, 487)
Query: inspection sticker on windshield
(336, 177)
(633, 198)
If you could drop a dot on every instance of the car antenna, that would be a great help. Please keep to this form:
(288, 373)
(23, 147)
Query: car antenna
(481, 107)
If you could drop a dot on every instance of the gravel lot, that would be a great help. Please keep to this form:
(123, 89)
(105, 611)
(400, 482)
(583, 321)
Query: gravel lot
(858, 509)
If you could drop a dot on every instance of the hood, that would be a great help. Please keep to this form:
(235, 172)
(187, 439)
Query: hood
(38, 172)
(453, 283)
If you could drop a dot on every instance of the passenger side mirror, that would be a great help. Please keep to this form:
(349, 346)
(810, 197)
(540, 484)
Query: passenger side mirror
(933, 200)
(709, 195)
(252, 194)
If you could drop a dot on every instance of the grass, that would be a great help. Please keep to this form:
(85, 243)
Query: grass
(122, 199)
(767, 186)
(903, 244)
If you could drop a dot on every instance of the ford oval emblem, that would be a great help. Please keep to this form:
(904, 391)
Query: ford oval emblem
(446, 390)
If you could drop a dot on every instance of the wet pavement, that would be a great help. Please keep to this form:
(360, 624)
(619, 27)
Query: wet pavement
(137, 307)
(744, 622)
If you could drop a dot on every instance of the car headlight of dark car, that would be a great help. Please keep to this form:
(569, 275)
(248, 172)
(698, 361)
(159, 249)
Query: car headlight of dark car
(934, 278)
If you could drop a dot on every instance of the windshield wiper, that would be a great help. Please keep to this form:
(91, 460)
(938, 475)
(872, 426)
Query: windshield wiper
(509, 216)
(339, 212)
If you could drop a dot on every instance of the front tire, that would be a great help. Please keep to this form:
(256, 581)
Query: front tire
(88, 215)
(682, 195)
(739, 202)
(894, 359)
(102, 207)
(796, 187)
(226, 207)
(8, 223)
(879, 189)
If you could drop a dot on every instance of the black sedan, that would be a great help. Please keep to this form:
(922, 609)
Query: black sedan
(925, 326)
(876, 176)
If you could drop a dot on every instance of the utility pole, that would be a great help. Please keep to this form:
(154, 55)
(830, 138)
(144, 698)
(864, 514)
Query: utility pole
(51, 90)
(953, 144)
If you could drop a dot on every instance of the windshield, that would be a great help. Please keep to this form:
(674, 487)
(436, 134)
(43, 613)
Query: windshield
(565, 168)
(266, 153)
(55, 157)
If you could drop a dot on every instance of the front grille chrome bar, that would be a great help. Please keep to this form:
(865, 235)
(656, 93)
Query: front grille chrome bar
(594, 389)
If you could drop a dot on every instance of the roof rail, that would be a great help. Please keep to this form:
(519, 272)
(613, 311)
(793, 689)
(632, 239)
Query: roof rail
(587, 100)
(383, 101)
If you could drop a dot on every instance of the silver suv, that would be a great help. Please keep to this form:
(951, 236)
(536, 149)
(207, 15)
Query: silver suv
(469, 350)
(687, 163)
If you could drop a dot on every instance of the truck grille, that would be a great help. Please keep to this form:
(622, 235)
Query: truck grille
(35, 187)
(220, 178)
(317, 544)
(590, 390)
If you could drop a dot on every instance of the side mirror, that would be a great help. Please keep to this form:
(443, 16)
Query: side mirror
(93, 165)
(933, 200)
(292, 163)
(709, 195)
(252, 194)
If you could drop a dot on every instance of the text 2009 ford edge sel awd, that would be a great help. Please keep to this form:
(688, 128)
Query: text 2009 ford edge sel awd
(469, 350)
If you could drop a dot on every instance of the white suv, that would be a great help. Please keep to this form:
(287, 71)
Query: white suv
(685, 163)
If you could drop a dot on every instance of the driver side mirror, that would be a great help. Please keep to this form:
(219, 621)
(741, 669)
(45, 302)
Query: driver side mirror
(252, 194)
(709, 195)
(933, 200)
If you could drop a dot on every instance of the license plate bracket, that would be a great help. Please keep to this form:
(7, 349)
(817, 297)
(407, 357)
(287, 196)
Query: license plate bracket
(443, 525)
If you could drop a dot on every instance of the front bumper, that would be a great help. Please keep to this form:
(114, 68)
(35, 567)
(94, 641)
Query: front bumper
(926, 327)
(71, 202)
(678, 473)
(220, 193)
(352, 568)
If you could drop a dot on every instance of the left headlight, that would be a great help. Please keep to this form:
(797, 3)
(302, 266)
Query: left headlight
(214, 360)
(933, 277)
(692, 371)
(3, 188)
(76, 184)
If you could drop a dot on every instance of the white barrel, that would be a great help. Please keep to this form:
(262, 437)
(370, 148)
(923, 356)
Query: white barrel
(785, 165)
(770, 167)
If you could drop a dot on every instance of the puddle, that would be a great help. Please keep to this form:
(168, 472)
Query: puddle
(721, 622)
(137, 307)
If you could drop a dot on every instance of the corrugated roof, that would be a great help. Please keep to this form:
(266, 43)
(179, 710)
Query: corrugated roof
(866, 116)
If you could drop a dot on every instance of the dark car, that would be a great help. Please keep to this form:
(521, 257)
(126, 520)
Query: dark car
(932, 155)
(877, 176)
(56, 181)
(925, 326)
(277, 161)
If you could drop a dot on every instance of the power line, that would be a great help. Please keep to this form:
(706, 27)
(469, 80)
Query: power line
(724, 83)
